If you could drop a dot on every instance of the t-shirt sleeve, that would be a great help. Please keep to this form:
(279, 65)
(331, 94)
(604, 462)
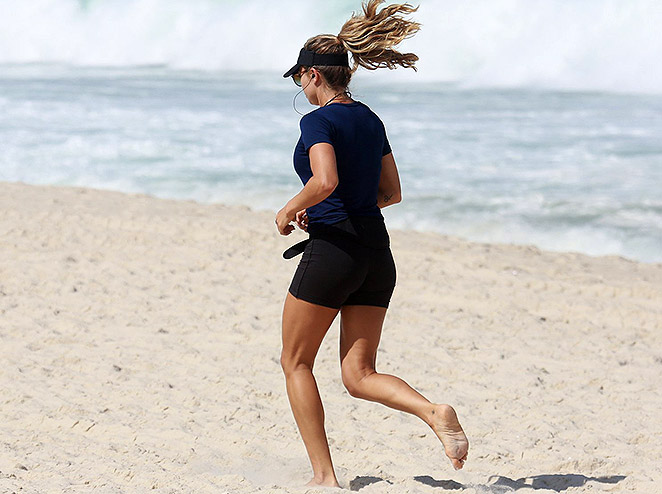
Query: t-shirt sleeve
(387, 146)
(315, 129)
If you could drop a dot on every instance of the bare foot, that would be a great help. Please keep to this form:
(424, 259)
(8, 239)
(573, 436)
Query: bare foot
(330, 482)
(446, 426)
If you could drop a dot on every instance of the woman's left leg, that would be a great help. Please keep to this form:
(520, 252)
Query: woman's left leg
(304, 328)
(360, 332)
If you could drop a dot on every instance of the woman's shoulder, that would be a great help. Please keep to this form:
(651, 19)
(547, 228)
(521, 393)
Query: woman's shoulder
(366, 109)
(314, 117)
(369, 113)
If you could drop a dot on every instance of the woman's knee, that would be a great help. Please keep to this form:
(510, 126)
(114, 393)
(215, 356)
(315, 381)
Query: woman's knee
(353, 377)
(291, 364)
(287, 363)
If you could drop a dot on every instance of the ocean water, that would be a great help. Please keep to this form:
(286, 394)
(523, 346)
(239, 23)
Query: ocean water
(528, 122)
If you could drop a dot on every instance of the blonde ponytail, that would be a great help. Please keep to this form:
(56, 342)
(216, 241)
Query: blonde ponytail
(370, 37)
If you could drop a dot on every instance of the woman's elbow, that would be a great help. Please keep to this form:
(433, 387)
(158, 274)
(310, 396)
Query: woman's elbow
(328, 185)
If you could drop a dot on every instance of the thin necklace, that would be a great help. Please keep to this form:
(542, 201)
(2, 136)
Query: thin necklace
(336, 96)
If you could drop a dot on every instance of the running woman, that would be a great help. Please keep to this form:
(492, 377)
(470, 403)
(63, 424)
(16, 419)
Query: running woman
(345, 163)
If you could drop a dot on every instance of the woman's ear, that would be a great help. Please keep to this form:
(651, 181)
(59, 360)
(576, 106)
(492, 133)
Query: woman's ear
(315, 76)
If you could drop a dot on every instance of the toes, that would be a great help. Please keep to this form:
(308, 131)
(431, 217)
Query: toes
(457, 464)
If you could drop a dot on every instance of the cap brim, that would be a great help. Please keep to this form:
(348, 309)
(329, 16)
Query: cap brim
(310, 58)
(292, 71)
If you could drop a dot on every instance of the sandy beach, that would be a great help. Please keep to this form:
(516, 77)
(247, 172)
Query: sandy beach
(140, 343)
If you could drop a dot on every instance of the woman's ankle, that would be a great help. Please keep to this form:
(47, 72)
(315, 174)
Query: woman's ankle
(328, 480)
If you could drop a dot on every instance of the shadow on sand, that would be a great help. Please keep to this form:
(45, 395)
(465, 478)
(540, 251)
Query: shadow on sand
(500, 484)
(361, 482)
(555, 482)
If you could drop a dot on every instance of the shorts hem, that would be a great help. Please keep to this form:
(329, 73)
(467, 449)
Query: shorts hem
(313, 300)
(367, 304)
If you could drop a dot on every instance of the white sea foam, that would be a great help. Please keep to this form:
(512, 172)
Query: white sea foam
(611, 45)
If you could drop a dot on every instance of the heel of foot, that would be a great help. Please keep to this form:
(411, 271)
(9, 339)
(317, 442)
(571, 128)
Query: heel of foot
(447, 427)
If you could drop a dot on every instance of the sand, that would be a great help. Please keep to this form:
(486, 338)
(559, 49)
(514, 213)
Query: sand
(140, 343)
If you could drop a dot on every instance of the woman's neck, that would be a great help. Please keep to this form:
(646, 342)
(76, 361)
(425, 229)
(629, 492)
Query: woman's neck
(328, 95)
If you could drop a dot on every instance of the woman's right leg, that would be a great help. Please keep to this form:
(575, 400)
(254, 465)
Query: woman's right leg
(361, 328)
(304, 328)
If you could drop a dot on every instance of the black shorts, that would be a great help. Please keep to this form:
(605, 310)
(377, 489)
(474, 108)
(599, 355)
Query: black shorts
(346, 264)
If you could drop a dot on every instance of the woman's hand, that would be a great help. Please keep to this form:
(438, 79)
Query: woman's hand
(302, 220)
(283, 220)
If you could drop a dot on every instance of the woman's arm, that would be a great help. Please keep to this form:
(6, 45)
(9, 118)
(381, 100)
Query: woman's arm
(389, 191)
(320, 186)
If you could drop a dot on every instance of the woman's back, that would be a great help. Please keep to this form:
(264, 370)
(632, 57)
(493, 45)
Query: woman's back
(359, 142)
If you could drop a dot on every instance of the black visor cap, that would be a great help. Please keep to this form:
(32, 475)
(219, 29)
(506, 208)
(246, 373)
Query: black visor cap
(310, 59)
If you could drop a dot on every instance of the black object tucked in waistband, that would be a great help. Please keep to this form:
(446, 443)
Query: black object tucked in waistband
(369, 231)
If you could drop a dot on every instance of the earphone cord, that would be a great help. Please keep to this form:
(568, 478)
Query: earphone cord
(294, 100)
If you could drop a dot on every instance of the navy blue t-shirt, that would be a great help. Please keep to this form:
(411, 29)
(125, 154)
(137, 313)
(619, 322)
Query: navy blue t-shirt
(359, 140)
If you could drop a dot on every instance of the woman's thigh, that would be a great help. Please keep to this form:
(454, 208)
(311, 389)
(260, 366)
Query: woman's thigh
(304, 327)
(361, 330)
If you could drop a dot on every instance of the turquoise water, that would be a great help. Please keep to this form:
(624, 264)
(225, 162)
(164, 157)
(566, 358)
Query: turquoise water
(561, 169)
